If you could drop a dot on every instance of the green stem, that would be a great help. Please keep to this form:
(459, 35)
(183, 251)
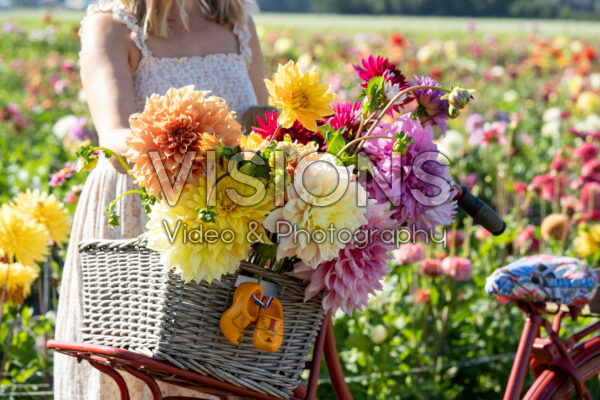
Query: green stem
(453, 244)
(214, 185)
(392, 102)
(360, 139)
(275, 134)
(10, 338)
(445, 316)
(3, 298)
(112, 153)
(363, 123)
(115, 201)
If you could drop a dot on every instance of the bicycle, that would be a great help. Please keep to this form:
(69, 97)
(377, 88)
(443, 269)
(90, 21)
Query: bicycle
(561, 367)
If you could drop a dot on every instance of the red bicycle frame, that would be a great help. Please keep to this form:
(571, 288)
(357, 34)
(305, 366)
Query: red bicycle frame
(552, 352)
(534, 353)
(110, 360)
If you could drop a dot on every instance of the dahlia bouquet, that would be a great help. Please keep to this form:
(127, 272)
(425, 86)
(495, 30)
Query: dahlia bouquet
(318, 189)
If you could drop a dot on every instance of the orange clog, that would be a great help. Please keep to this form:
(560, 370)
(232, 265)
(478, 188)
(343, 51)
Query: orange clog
(243, 311)
(268, 332)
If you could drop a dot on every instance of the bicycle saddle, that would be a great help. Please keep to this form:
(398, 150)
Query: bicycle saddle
(544, 278)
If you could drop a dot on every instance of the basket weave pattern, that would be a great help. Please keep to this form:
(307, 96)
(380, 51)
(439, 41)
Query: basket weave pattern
(130, 301)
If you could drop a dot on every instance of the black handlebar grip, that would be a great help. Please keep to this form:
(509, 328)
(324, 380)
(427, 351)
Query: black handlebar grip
(481, 213)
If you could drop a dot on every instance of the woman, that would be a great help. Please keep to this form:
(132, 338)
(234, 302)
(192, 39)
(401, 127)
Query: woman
(131, 49)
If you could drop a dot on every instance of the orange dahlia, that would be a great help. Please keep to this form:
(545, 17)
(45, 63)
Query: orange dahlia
(181, 121)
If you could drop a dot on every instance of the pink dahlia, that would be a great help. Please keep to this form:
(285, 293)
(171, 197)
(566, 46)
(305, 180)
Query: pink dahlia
(431, 267)
(432, 109)
(398, 173)
(380, 66)
(570, 205)
(520, 188)
(482, 233)
(394, 81)
(457, 268)
(345, 115)
(586, 152)
(297, 132)
(494, 133)
(408, 253)
(78, 130)
(590, 199)
(559, 163)
(474, 124)
(591, 169)
(356, 272)
(527, 241)
(548, 186)
(456, 238)
(585, 135)
(59, 178)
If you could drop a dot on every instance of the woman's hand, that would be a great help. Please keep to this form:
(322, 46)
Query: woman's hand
(107, 76)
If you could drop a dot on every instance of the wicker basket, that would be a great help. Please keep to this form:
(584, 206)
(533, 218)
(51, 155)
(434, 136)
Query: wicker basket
(130, 301)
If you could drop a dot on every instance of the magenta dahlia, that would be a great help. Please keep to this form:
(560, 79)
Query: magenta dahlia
(297, 132)
(548, 186)
(586, 152)
(394, 81)
(374, 67)
(345, 115)
(357, 271)
(590, 199)
(591, 169)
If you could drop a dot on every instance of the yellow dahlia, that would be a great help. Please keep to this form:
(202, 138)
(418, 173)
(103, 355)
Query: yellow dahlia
(319, 206)
(204, 250)
(46, 210)
(587, 241)
(253, 142)
(588, 103)
(300, 96)
(181, 121)
(20, 278)
(22, 237)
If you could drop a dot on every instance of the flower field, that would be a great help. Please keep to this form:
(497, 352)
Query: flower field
(528, 144)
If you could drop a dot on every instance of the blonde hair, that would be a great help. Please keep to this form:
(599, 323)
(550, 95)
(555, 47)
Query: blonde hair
(152, 14)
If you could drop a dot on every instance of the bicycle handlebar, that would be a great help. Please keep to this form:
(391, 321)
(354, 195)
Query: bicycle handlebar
(481, 213)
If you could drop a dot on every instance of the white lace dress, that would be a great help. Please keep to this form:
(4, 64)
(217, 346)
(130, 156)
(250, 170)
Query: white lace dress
(226, 75)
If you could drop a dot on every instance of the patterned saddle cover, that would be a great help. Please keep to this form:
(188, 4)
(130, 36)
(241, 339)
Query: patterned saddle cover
(544, 278)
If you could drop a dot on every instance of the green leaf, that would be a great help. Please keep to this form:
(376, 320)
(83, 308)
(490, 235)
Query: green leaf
(114, 220)
(266, 250)
(335, 141)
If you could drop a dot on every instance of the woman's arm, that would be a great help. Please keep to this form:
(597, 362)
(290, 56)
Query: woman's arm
(257, 66)
(107, 80)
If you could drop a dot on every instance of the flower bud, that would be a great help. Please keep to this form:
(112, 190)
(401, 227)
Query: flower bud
(453, 112)
(459, 98)
(85, 165)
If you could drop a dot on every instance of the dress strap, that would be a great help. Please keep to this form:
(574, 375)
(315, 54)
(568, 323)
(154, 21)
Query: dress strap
(243, 34)
(122, 15)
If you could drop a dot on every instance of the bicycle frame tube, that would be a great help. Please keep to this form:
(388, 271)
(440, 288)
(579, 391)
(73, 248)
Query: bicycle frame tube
(521, 363)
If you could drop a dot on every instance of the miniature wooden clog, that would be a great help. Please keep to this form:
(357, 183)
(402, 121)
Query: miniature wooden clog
(268, 332)
(243, 311)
